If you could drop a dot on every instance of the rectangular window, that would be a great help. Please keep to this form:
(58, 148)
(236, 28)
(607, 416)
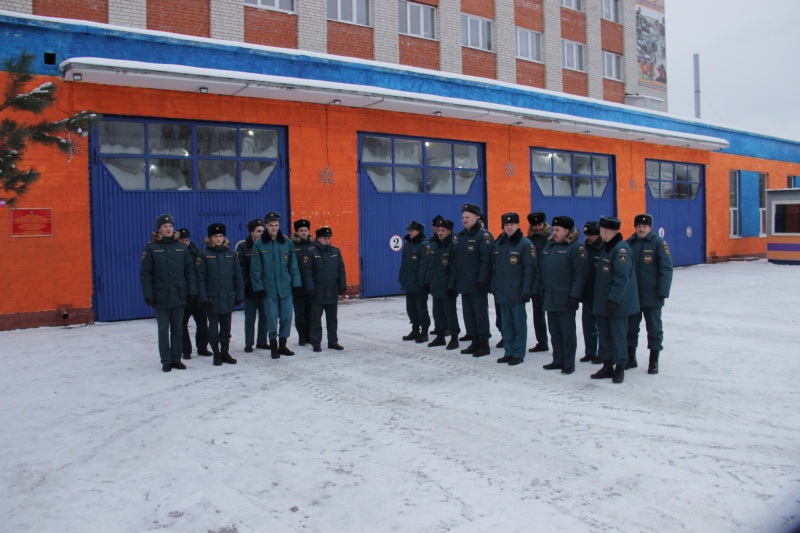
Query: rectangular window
(610, 10)
(571, 55)
(577, 5)
(670, 180)
(417, 19)
(612, 66)
(355, 11)
(282, 5)
(734, 202)
(762, 203)
(787, 219)
(476, 32)
(529, 44)
(794, 182)
(570, 173)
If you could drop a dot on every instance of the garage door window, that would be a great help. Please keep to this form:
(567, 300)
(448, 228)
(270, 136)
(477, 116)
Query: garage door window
(570, 173)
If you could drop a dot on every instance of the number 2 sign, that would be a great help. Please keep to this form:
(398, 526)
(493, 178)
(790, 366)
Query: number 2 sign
(396, 243)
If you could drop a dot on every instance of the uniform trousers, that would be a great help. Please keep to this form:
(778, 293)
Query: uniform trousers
(279, 316)
(219, 328)
(254, 308)
(563, 336)
(540, 324)
(201, 329)
(445, 315)
(331, 323)
(417, 309)
(302, 313)
(515, 329)
(590, 334)
(613, 344)
(170, 333)
(655, 328)
(476, 315)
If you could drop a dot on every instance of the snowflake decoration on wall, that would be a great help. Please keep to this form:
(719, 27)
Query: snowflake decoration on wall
(510, 169)
(326, 176)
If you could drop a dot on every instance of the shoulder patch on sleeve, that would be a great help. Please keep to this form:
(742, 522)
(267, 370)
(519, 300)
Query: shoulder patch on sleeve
(144, 254)
(666, 248)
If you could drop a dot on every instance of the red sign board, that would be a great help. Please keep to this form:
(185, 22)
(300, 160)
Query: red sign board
(37, 222)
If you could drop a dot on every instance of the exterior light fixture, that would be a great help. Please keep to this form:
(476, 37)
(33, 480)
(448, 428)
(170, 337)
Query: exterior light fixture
(519, 124)
(77, 76)
(437, 113)
(202, 90)
(337, 102)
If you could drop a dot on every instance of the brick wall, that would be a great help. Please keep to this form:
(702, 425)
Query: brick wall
(573, 25)
(529, 14)
(190, 17)
(415, 52)
(575, 82)
(350, 40)
(613, 91)
(270, 28)
(611, 36)
(479, 8)
(478, 63)
(92, 10)
(530, 73)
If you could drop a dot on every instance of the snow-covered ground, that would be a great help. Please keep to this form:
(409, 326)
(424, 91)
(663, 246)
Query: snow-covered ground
(394, 436)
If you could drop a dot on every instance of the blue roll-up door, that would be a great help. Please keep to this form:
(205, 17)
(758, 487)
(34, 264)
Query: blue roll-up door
(201, 173)
(579, 185)
(676, 199)
(409, 178)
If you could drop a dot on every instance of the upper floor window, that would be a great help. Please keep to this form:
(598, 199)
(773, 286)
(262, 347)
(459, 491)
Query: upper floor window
(417, 19)
(355, 11)
(610, 10)
(762, 203)
(529, 44)
(571, 55)
(570, 173)
(733, 178)
(577, 5)
(612, 65)
(282, 5)
(794, 182)
(476, 32)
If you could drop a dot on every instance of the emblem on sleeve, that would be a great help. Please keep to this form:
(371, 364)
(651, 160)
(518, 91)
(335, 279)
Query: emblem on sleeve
(666, 248)
(144, 254)
(623, 258)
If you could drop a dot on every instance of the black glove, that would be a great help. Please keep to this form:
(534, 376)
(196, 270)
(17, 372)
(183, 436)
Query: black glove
(537, 300)
(482, 287)
(190, 299)
(451, 292)
(662, 299)
(248, 292)
(259, 294)
(573, 303)
(237, 303)
(312, 292)
(342, 292)
(151, 302)
(611, 308)
(524, 298)
(206, 305)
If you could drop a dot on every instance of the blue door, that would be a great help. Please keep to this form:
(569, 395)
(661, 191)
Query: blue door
(676, 199)
(576, 184)
(409, 178)
(200, 173)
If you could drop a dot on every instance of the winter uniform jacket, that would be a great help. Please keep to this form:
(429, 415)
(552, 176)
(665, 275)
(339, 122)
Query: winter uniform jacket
(441, 271)
(514, 264)
(592, 255)
(219, 278)
(322, 269)
(301, 246)
(167, 273)
(244, 254)
(616, 280)
(562, 272)
(414, 265)
(474, 251)
(653, 265)
(540, 239)
(274, 266)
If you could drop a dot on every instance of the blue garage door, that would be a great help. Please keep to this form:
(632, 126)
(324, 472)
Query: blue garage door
(409, 178)
(676, 199)
(576, 184)
(200, 173)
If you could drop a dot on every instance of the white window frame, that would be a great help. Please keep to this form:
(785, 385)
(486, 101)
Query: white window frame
(735, 223)
(274, 5)
(610, 10)
(476, 32)
(762, 201)
(425, 16)
(533, 44)
(572, 55)
(612, 66)
(576, 5)
(358, 8)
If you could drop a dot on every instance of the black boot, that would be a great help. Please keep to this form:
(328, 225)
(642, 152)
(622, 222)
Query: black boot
(471, 348)
(438, 341)
(225, 355)
(412, 335)
(539, 348)
(606, 372)
(482, 348)
(217, 355)
(204, 352)
(273, 349)
(632, 363)
(301, 338)
(423, 335)
(453, 344)
(619, 374)
(653, 367)
(586, 359)
(499, 344)
(466, 338)
(282, 349)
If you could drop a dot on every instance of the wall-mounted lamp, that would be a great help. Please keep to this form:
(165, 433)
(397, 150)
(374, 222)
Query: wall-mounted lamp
(337, 102)
(587, 132)
(437, 113)
(202, 90)
(77, 76)
(519, 124)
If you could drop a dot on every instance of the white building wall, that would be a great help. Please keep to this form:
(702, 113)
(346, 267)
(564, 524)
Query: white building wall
(551, 45)
(227, 20)
(505, 41)
(450, 35)
(385, 24)
(594, 50)
(131, 13)
(312, 25)
(20, 6)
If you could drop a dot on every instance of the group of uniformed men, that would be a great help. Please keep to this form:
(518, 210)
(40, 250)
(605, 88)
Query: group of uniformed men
(617, 281)
(271, 274)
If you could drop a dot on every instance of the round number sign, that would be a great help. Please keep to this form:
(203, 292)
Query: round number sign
(396, 243)
(661, 232)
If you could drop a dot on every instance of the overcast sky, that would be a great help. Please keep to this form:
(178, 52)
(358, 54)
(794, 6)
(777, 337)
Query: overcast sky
(749, 73)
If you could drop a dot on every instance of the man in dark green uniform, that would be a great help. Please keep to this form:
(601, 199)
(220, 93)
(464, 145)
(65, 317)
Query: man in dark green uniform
(413, 279)
(539, 234)
(253, 306)
(593, 243)
(615, 299)
(302, 301)
(194, 309)
(324, 279)
(442, 281)
(653, 265)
